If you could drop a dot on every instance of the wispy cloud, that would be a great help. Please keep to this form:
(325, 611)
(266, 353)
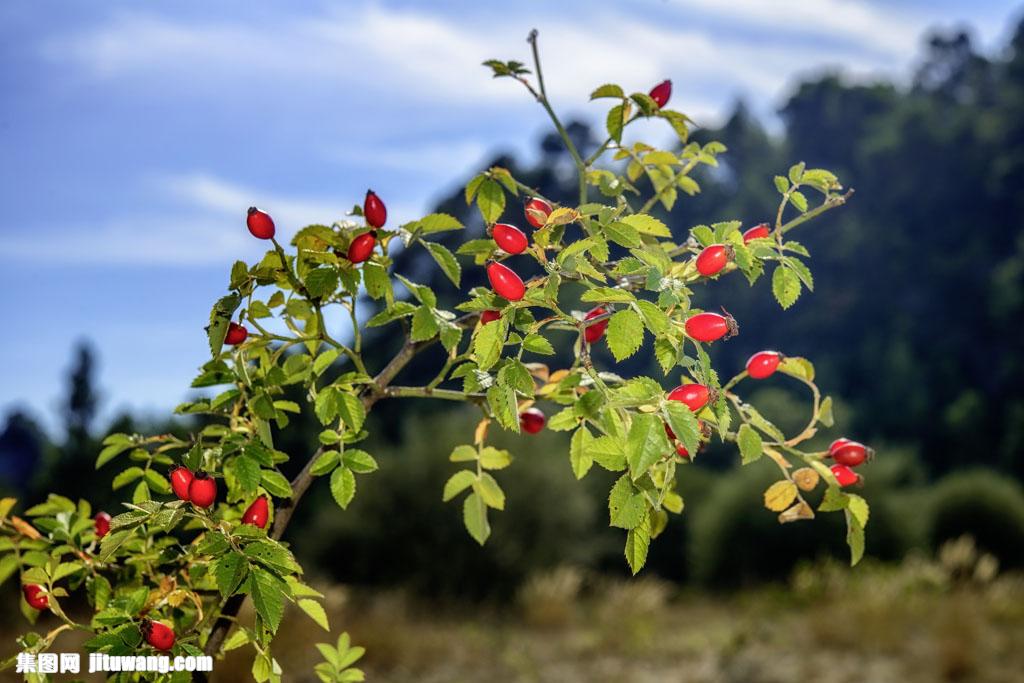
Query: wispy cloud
(383, 56)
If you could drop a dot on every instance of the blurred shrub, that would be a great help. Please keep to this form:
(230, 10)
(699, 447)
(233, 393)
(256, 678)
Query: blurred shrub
(548, 599)
(398, 532)
(985, 505)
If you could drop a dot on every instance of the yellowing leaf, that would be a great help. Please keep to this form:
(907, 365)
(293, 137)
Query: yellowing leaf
(779, 495)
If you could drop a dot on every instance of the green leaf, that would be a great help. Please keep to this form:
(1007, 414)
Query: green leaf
(488, 343)
(785, 286)
(376, 279)
(854, 538)
(825, 412)
(351, 410)
(492, 458)
(359, 461)
(655, 319)
(435, 222)
(321, 282)
(647, 225)
(126, 476)
(474, 516)
(607, 295)
(327, 461)
(579, 454)
(490, 199)
(626, 505)
(457, 483)
(781, 184)
(424, 324)
(684, 424)
(622, 234)
(502, 401)
(489, 491)
(343, 486)
(267, 592)
(638, 540)
(276, 484)
(230, 570)
(446, 260)
(247, 471)
(608, 452)
(646, 443)
(749, 442)
(616, 121)
(326, 405)
(324, 361)
(315, 611)
(858, 507)
(607, 90)
(535, 343)
(798, 200)
(625, 334)
(220, 318)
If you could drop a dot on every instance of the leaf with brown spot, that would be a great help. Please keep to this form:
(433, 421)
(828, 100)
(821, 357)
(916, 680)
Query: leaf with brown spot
(806, 478)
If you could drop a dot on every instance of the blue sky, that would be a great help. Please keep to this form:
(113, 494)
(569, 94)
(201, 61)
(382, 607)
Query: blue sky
(134, 135)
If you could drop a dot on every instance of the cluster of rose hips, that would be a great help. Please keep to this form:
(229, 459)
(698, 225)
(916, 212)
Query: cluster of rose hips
(504, 281)
(848, 454)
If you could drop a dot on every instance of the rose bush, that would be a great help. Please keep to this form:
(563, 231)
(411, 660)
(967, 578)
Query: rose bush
(202, 531)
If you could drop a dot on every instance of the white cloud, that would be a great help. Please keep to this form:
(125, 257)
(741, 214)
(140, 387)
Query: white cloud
(398, 57)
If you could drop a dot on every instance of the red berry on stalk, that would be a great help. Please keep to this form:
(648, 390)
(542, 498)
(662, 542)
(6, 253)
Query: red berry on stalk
(160, 636)
(510, 238)
(850, 454)
(362, 247)
(257, 513)
(836, 444)
(593, 333)
(181, 479)
(489, 316)
(537, 212)
(756, 232)
(101, 522)
(203, 490)
(260, 223)
(505, 282)
(374, 211)
(236, 334)
(35, 597)
(763, 363)
(694, 396)
(844, 475)
(661, 93)
(681, 451)
(532, 420)
(707, 327)
(713, 258)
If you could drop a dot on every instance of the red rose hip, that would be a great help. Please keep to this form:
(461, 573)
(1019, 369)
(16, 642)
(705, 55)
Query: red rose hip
(682, 452)
(203, 490)
(708, 327)
(756, 232)
(181, 478)
(489, 316)
(763, 363)
(694, 396)
(844, 475)
(101, 523)
(257, 513)
(510, 238)
(594, 332)
(374, 211)
(713, 258)
(532, 420)
(505, 282)
(160, 636)
(260, 223)
(661, 93)
(850, 454)
(35, 597)
(836, 444)
(537, 212)
(236, 334)
(362, 247)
